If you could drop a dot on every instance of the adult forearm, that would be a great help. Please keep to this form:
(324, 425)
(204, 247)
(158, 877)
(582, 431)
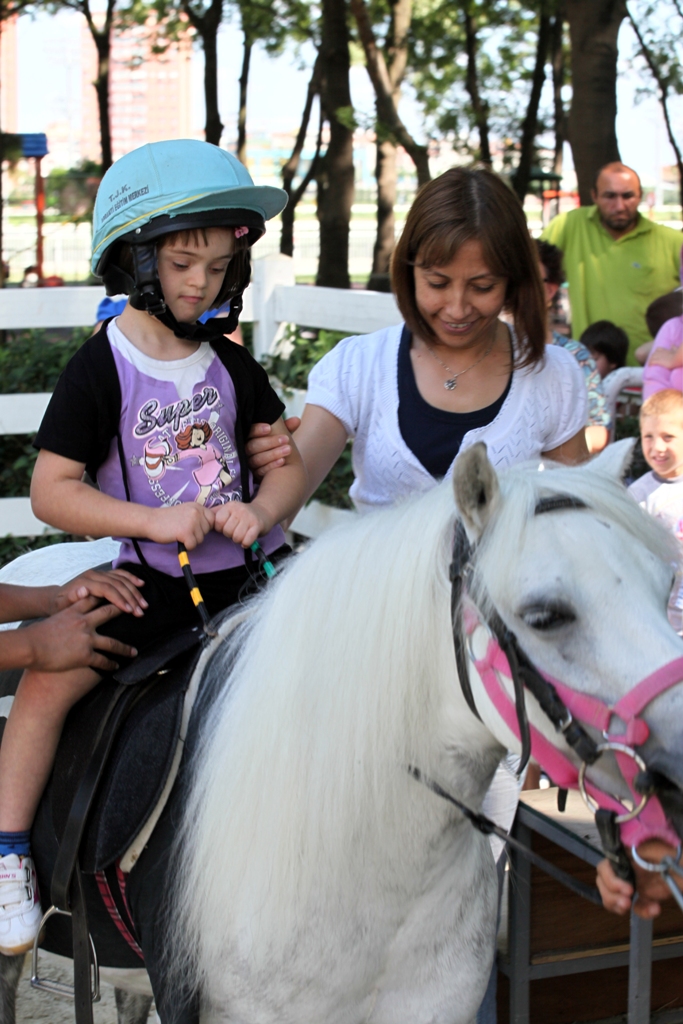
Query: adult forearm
(16, 650)
(18, 603)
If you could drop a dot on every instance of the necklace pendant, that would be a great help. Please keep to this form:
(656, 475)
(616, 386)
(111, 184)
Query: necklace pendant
(451, 384)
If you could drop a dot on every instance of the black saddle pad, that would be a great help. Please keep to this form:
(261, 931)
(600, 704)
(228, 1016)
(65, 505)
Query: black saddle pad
(138, 766)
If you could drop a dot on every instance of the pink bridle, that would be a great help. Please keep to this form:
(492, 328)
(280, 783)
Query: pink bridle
(647, 819)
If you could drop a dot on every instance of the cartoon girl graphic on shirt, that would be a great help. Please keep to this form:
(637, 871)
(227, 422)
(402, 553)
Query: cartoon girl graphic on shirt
(212, 472)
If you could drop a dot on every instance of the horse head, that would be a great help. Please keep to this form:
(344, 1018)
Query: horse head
(565, 582)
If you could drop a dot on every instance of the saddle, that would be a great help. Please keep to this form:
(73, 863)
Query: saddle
(135, 717)
(117, 760)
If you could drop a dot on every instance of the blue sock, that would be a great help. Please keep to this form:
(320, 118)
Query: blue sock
(15, 842)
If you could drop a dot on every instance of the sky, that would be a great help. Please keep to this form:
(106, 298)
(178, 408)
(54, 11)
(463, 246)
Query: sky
(49, 90)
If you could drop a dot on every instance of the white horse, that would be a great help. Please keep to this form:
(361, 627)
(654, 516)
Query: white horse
(321, 881)
(318, 880)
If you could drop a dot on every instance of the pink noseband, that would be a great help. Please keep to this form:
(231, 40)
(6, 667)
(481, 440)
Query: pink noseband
(648, 819)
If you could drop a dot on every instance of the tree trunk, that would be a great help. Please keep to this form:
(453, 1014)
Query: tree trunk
(335, 177)
(520, 179)
(214, 125)
(385, 174)
(242, 115)
(101, 83)
(593, 26)
(557, 62)
(396, 47)
(480, 107)
(386, 99)
(291, 166)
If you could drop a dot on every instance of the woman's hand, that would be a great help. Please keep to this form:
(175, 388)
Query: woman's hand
(188, 523)
(118, 587)
(651, 889)
(67, 640)
(268, 451)
(242, 523)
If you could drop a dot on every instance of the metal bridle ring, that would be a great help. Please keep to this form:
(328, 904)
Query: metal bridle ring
(649, 865)
(591, 804)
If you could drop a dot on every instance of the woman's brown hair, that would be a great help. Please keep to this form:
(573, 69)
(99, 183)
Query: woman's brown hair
(463, 205)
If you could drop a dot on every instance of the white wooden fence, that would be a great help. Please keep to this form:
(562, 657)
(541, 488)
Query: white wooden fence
(271, 301)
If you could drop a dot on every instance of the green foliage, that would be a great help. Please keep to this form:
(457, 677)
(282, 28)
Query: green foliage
(72, 192)
(297, 354)
(29, 363)
(506, 51)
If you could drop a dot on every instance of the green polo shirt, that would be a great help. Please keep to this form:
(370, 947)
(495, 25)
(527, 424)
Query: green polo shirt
(615, 278)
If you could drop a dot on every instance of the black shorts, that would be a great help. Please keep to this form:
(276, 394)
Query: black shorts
(170, 606)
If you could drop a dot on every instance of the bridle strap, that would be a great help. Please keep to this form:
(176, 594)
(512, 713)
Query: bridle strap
(459, 567)
(523, 673)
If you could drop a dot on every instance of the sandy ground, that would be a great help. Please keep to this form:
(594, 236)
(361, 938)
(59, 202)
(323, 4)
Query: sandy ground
(34, 1007)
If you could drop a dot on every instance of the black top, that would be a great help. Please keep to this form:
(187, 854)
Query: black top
(84, 412)
(434, 435)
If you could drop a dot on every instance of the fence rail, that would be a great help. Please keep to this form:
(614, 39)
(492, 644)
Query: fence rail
(271, 301)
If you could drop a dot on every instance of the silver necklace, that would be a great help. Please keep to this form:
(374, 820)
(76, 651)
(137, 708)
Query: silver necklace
(452, 382)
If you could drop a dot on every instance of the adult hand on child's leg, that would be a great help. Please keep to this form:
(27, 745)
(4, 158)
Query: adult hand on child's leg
(117, 586)
(70, 640)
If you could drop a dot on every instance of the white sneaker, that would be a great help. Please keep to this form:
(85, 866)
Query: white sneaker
(20, 911)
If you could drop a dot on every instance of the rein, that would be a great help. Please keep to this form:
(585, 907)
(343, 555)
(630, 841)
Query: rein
(566, 709)
(488, 827)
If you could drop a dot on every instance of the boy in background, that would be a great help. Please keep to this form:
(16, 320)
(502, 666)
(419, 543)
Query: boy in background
(608, 345)
(660, 492)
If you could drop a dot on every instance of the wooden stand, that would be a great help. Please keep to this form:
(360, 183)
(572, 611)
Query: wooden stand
(568, 960)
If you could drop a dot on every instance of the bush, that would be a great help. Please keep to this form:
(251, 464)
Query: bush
(297, 354)
(30, 362)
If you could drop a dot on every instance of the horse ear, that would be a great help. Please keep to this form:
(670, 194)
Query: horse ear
(476, 489)
(615, 459)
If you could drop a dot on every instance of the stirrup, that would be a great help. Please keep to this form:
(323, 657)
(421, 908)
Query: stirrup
(59, 988)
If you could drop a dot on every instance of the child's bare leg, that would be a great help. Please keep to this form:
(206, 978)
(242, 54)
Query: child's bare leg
(28, 748)
(30, 739)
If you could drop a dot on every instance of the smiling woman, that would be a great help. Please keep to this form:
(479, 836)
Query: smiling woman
(414, 395)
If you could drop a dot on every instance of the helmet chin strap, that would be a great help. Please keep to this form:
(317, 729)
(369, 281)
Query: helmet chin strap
(146, 295)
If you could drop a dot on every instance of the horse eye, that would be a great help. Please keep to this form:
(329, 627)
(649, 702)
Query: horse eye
(547, 617)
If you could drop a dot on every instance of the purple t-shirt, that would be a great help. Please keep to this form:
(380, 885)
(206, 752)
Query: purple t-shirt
(177, 427)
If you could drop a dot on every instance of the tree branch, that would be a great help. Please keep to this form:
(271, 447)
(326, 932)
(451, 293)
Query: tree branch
(386, 107)
(520, 179)
(663, 95)
(479, 106)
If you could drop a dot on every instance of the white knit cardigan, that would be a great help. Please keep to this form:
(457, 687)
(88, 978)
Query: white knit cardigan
(358, 383)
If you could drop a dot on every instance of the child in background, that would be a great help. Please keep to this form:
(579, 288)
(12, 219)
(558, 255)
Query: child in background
(664, 367)
(608, 345)
(660, 492)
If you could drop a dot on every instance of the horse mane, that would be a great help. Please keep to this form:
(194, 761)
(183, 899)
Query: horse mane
(309, 653)
(295, 779)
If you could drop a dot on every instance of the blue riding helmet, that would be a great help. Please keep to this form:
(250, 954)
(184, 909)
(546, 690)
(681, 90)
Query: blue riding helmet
(171, 186)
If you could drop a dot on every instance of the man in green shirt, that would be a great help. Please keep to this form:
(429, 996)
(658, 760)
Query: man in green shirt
(616, 261)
